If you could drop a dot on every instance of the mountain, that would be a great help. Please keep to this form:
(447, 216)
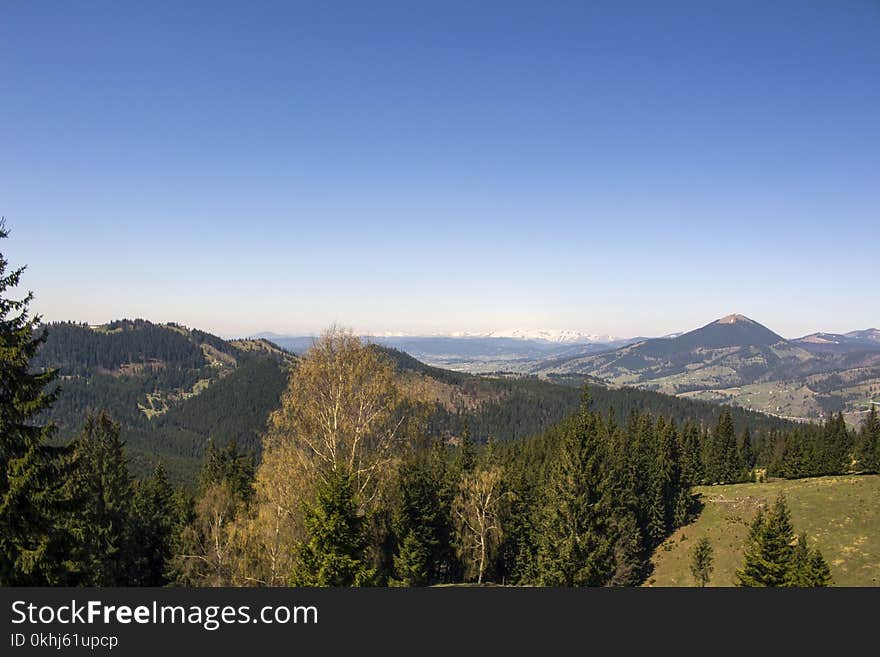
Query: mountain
(725, 351)
(737, 360)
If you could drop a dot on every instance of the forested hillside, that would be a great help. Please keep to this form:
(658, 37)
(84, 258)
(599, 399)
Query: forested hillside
(174, 389)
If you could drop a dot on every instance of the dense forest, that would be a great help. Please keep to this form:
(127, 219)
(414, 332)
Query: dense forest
(354, 484)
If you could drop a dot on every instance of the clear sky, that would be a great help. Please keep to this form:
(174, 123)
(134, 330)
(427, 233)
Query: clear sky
(633, 168)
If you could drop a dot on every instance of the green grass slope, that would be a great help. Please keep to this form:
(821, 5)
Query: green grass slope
(841, 516)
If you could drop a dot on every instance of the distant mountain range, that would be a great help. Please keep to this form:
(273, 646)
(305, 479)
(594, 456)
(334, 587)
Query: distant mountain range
(733, 359)
(555, 336)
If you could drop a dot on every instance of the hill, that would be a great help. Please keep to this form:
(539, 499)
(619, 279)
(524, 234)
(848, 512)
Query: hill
(839, 514)
(171, 388)
(738, 361)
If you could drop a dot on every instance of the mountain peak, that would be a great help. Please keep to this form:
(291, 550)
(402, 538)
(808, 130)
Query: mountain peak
(734, 319)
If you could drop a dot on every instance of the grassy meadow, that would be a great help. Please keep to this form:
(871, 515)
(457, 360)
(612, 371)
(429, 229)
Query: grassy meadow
(840, 514)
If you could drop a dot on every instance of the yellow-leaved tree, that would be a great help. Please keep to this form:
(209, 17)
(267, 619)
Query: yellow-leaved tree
(343, 417)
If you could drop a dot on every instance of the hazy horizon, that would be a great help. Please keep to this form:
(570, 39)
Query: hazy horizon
(460, 332)
(638, 170)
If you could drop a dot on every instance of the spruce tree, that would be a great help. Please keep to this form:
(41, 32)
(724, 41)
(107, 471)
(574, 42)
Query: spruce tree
(411, 562)
(746, 452)
(833, 452)
(868, 443)
(628, 551)
(466, 456)
(152, 530)
(807, 568)
(818, 571)
(335, 552)
(33, 539)
(421, 522)
(769, 552)
(230, 466)
(575, 542)
(665, 477)
(102, 489)
(691, 463)
(701, 562)
(725, 459)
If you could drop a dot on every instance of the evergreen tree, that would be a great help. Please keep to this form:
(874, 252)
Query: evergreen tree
(422, 521)
(32, 535)
(795, 461)
(833, 452)
(665, 478)
(628, 550)
(808, 568)
(769, 553)
(818, 572)
(868, 445)
(701, 562)
(335, 552)
(747, 452)
(575, 545)
(411, 562)
(102, 488)
(153, 527)
(724, 460)
(691, 462)
(230, 466)
(466, 457)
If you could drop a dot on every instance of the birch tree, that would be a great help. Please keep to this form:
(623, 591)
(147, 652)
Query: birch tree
(343, 412)
(477, 512)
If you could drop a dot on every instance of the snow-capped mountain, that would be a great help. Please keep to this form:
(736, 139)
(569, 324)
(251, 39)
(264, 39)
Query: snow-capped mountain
(560, 336)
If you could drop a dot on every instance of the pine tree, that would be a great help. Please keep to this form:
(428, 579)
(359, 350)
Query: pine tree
(335, 552)
(769, 552)
(33, 539)
(102, 488)
(575, 542)
(701, 562)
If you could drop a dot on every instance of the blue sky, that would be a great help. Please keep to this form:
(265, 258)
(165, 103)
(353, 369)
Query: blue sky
(618, 167)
